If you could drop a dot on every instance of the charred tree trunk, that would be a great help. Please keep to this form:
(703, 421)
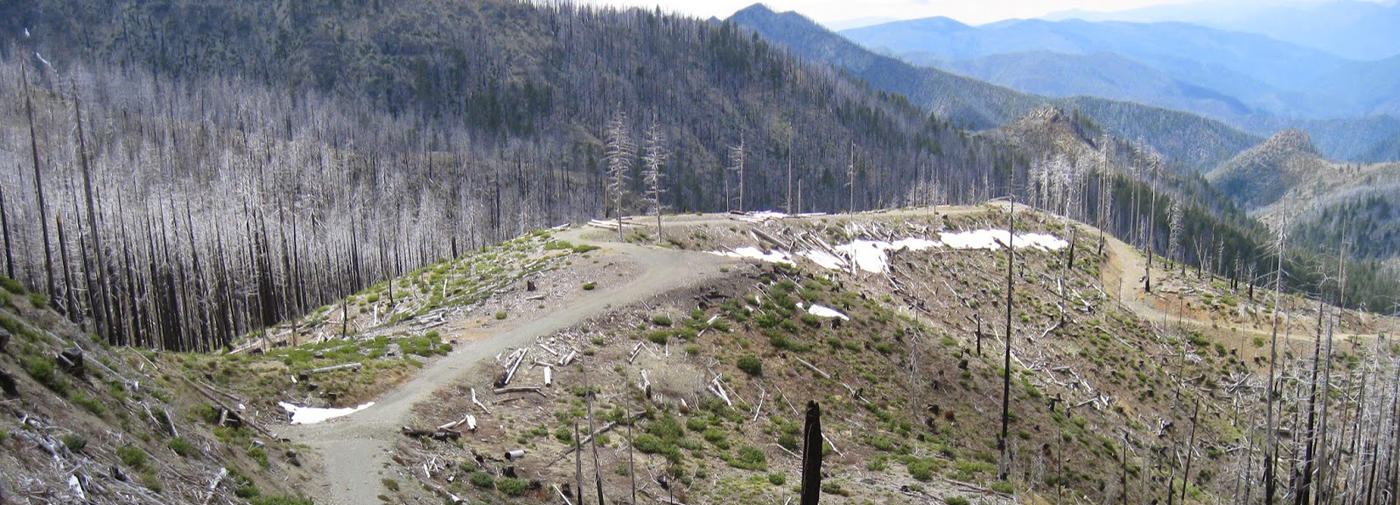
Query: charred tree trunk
(812, 455)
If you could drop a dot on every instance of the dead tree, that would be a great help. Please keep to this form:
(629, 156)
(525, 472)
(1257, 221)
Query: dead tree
(1003, 467)
(812, 455)
(1270, 443)
(619, 159)
(652, 161)
(38, 179)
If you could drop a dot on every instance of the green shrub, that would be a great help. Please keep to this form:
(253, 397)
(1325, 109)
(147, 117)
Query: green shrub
(659, 337)
(750, 458)
(43, 371)
(182, 447)
(390, 484)
(38, 300)
(89, 404)
(12, 285)
(482, 480)
(132, 456)
(692, 349)
(661, 320)
(500, 315)
(751, 365)
(1003, 487)
(588, 286)
(4, 436)
(777, 479)
(955, 500)
(74, 442)
(511, 487)
(1258, 341)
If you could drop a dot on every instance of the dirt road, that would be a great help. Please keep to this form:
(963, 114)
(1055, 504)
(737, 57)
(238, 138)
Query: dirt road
(355, 449)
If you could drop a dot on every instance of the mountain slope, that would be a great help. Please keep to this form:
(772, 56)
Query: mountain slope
(1104, 75)
(1360, 30)
(1190, 140)
(390, 134)
(1225, 61)
(1324, 203)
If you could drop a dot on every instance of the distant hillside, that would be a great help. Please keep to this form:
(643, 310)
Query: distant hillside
(1190, 140)
(1105, 75)
(1324, 203)
(1362, 30)
(1233, 63)
(1247, 81)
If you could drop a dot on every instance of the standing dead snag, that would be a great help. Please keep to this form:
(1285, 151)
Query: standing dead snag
(1003, 467)
(812, 455)
(619, 158)
(1270, 444)
(652, 161)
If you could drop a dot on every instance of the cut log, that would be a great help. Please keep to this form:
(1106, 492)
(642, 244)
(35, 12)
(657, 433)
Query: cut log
(635, 349)
(548, 375)
(515, 454)
(518, 389)
(71, 361)
(568, 358)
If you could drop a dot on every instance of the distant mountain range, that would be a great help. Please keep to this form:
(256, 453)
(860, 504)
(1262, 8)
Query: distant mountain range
(1250, 81)
(1189, 139)
(1358, 30)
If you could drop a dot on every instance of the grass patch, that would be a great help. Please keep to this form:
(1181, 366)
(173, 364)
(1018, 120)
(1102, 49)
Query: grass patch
(132, 456)
(751, 365)
(182, 447)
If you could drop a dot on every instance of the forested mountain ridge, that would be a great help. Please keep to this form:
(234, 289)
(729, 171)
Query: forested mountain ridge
(1249, 81)
(239, 149)
(1184, 138)
(1324, 204)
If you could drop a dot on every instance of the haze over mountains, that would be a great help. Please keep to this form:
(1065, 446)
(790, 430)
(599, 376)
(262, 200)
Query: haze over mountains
(1250, 80)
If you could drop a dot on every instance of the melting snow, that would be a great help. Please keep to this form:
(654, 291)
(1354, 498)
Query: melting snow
(825, 259)
(761, 216)
(827, 312)
(992, 239)
(873, 255)
(750, 252)
(313, 415)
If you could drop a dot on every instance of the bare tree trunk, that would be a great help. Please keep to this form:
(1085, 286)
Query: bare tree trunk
(1270, 447)
(99, 311)
(812, 455)
(1190, 451)
(38, 179)
(1004, 466)
(5, 229)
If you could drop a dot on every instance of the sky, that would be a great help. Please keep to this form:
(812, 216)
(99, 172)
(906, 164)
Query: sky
(841, 14)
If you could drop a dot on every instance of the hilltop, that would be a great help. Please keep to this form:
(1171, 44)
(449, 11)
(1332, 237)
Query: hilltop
(699, 349)
(1324, 203)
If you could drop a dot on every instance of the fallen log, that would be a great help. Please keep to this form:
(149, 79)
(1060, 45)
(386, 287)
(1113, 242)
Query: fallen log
(518, 389)
(306, 374)
(478, 402)
(813, 367)
(435, 434)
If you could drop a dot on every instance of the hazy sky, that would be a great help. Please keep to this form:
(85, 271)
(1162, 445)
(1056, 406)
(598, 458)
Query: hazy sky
(836, 11)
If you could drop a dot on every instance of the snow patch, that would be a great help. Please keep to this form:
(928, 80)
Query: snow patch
(313, 415)
(761, 216)
(993, 239)
(824, 259)
(873, 255)
(827, 312)
(750, 252)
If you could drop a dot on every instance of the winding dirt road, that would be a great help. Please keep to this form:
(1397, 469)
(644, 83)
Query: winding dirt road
(355, 449)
